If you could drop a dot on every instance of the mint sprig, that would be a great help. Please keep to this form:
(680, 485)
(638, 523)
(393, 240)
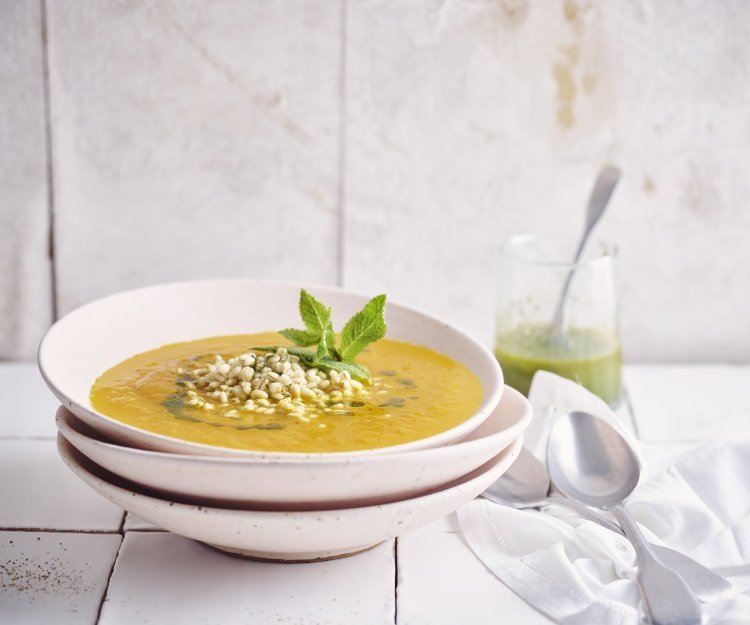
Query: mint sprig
(365, 327)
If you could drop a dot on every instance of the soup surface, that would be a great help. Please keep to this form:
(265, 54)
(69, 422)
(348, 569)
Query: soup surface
(415, 393)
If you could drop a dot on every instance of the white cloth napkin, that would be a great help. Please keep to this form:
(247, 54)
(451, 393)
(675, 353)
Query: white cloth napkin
(579, 573)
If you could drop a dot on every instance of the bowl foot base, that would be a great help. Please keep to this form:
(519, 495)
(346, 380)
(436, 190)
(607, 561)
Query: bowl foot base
(287, 558)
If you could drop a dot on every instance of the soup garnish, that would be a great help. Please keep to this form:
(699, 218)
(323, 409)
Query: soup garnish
(366, 327)
(265, 383)
(291, 379)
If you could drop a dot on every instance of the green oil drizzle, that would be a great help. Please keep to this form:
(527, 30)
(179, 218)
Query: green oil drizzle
(175, 403)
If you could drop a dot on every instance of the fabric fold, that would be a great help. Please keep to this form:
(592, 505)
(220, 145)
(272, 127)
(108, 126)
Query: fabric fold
(577, 572)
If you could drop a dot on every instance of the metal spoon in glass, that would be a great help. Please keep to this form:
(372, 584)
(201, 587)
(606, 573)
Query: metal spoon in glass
(589, 461)
(604, 186)
(527, 485)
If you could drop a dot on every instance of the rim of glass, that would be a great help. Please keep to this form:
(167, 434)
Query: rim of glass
(609, 251)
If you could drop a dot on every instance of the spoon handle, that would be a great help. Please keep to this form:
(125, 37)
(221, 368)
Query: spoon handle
(604, 186)
(666, 597)
(706, 584)
(584, 511)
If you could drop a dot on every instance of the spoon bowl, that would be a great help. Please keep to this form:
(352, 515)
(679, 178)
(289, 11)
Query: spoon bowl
(590, 461)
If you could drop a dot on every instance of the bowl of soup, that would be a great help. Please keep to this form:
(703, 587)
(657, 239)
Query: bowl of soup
(165, 368)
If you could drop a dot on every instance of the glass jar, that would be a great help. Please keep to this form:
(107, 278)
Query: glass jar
(578, 340)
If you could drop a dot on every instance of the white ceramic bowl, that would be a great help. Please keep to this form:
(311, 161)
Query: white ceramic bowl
(95, 337)
(289, 536)
(307, 483)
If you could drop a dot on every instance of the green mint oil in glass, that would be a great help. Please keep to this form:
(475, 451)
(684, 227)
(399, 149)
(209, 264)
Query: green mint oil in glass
(587, 356)
(587, 350)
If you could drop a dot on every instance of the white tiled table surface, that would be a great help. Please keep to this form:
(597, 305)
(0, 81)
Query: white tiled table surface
(69, 556)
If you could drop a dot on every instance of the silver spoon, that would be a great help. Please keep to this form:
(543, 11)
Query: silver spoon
(526, 485)
(589, 461)
(604, 186)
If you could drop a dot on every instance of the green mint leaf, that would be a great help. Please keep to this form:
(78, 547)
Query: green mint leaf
(326, 343)
(315, 315)
(366, 327)
(300, 337)
(358, 372)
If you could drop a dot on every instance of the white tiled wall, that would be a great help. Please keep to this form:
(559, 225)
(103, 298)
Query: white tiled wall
(208, 148)
(379, 144)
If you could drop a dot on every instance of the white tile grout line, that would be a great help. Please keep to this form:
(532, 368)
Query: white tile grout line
(395, 581)
(111, 571)
(50, 166)
(103, 598)
(341, 191)
(51, 530)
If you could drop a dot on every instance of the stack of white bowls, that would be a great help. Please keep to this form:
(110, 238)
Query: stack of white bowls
(273, 506)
